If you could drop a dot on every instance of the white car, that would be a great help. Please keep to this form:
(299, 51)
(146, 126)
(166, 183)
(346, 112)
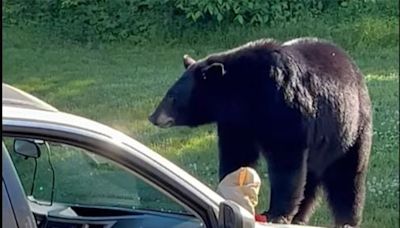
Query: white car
(61, 170)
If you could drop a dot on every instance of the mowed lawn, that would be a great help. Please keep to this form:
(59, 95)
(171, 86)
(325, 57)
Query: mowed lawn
(120, 84)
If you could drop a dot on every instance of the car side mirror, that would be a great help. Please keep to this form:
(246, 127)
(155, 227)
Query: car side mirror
(231, 215)
(26, 148)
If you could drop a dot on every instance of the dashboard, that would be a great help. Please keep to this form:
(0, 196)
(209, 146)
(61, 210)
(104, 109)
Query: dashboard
(77, 216)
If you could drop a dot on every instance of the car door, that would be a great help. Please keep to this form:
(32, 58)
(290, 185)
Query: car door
(15, 209)
(86, 195)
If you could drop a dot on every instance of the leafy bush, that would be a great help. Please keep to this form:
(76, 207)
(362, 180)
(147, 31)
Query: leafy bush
(248, 11)
(85, 20)
(139, 20)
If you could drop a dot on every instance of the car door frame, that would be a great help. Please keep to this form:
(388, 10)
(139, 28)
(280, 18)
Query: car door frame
(15, 208)
(122, 154)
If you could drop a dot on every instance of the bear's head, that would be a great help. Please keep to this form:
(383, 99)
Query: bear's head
(193, 99)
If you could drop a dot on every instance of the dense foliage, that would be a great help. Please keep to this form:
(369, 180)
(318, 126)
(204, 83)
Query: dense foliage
(109, 20)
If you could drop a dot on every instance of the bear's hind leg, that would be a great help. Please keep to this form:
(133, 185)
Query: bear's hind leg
(344, 182)
(309, 202)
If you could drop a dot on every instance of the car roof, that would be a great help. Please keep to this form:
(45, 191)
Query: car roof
(18, 98)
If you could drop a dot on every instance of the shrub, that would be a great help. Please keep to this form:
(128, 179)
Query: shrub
(248, 11)
(139, 20)
(85, 20)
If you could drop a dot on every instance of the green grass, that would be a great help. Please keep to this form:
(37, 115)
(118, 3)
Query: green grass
(120, 84)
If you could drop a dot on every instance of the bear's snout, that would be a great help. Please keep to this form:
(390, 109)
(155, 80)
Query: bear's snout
(161, 120)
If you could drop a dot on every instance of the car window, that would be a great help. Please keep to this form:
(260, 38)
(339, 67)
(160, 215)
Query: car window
(72, 175)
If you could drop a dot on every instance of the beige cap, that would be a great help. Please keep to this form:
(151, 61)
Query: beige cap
(241, 186)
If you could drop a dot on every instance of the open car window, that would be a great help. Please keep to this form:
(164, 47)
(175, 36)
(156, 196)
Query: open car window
(54, 173)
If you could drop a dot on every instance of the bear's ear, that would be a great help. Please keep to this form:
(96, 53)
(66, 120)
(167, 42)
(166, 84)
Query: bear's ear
(187, 61)
(216, 69)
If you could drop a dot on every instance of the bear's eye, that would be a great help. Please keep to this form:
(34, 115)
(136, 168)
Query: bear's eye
(171, 98)
(204, 76)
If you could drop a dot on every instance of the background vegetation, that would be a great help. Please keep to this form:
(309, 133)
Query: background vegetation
(112, 61)
(168, 20)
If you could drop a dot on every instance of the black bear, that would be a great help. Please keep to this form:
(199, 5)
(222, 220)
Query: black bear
(303, 104)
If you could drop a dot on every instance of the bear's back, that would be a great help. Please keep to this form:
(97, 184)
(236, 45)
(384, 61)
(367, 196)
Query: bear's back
(324, 59)
(338, 83)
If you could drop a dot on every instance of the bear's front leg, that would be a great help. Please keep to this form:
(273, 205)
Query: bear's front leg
(236, 149)
(287, 175)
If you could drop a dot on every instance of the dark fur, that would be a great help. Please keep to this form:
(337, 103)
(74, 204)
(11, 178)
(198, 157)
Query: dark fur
(304, 105)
